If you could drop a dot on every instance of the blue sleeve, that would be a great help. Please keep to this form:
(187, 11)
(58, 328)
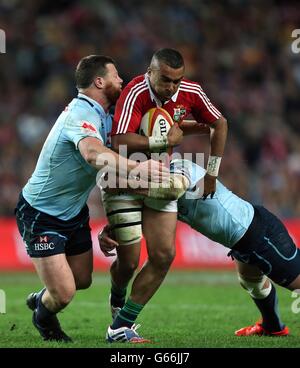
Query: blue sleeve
(76, 129)
(190, 170)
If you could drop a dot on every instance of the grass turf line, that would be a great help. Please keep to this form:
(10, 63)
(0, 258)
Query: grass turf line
(191, 309)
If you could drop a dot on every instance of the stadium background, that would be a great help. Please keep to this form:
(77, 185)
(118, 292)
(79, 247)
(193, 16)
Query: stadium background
(242, 58)
(240, 51)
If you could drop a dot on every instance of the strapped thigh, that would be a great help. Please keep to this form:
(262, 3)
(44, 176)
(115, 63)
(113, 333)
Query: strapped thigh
(124, 214)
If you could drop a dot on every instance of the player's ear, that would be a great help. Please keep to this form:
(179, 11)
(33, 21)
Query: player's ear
(99, 82)
(149, 70)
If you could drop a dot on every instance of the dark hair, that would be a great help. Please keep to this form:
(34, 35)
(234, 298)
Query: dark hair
(89, 67)
(170, 57)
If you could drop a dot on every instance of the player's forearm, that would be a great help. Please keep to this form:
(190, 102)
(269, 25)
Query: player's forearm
(111, 161)
(171, 189)
(218, 137)
(193, 127)
(133, 142)
(99, 156)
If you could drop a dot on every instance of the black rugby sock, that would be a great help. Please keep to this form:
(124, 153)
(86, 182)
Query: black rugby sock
(39, 295)
(269, 311)
(43, 315)
(117, 295)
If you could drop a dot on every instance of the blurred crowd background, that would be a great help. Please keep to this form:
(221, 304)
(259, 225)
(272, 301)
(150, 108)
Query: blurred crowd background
(239, 51)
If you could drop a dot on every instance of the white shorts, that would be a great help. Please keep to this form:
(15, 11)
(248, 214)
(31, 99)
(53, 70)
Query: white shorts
(124, 214)
(155, 204)
(161, 205)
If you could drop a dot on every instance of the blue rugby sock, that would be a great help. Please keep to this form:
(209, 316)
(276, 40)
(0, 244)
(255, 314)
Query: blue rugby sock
(269, 311)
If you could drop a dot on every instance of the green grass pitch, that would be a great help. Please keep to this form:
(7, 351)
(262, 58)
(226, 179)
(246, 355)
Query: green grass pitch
(191, 309)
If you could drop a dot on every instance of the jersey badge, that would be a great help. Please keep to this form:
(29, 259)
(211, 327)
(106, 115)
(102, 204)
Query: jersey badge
(179, 113)
(88, 126)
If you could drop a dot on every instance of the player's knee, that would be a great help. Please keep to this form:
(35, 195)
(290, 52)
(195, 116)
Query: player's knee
(84, 282)
(259, 288)
(63, 296)
(66, 297)
(129, 267)
(125, 266)
(177, 186)
(162, 258)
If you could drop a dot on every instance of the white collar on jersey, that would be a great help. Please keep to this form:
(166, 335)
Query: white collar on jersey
(154, 98)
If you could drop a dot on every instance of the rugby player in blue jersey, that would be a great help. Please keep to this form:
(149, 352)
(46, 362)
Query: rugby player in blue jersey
(52, 215)
(259, 242)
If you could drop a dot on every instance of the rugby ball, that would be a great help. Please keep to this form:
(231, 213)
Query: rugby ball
(156, 122)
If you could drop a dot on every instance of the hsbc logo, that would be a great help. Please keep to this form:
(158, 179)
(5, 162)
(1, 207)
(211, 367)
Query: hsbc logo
(43, 244)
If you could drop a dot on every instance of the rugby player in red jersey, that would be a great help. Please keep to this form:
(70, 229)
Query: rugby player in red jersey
(164, 86)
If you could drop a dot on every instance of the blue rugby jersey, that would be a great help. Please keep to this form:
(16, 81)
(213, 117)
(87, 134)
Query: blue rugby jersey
(225, 218)
(62, 180)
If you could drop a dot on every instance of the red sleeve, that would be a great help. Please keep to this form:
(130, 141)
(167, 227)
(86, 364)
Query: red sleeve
(202, 109)
(128, 112)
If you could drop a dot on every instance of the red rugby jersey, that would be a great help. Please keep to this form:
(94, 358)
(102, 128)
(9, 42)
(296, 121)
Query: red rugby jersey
(137, 98)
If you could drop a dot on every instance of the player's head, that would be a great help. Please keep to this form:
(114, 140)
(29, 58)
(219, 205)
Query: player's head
(99, 72)
(165, 72)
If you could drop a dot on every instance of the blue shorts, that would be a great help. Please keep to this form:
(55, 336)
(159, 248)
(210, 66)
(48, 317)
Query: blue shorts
(267, 245)
(46, 235)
